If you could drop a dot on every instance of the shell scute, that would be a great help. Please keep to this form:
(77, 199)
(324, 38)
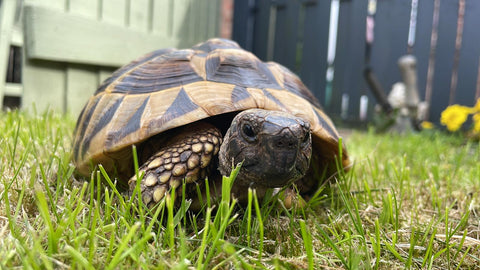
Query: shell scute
(159, 73)
(216, 43)
(239, 93)
(239, 68)
(181, 105)
(108, 111)
(120, 72)
(292, 83)
(128, 126)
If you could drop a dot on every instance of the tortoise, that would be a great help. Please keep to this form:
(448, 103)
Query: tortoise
(196, 113)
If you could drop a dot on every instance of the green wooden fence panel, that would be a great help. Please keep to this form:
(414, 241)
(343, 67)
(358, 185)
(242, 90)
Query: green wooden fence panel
(58, 36)
(71, 46)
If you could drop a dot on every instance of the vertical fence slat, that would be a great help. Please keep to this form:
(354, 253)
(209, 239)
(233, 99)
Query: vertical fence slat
(139, 15)
(315, 46)
(81, 80)
(113, 12)
(286, 33)
(422, 47)
(162, 17)
(81, 83)
(243, 23)
(391, 35)
(213, 18)
(456, 54)
(86, 8)
(469, 60)
(447, 29)
(200, 22)
(180, 25)
(194, 13)
(44, 82)
(7, 18)
(43, 85)
(349, 62)
(260, 34)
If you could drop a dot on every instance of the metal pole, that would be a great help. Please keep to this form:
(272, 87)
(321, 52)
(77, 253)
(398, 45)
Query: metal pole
(431, 58)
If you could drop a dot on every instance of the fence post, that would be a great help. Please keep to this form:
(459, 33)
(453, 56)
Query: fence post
(7, 17)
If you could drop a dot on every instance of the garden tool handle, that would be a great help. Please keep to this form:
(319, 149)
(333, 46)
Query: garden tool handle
(377, 90)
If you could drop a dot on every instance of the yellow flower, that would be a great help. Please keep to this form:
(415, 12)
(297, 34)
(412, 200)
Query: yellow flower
(427, 125)
(454, 116)
(477, 106)
(476, 122)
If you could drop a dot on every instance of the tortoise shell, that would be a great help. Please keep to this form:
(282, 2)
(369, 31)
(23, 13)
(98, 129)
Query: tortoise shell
(170, 88)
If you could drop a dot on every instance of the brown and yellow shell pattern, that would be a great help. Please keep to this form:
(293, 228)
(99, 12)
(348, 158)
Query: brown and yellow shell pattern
(171, 88)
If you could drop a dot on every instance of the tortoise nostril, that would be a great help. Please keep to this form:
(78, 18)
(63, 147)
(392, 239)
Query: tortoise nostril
(280, 143)
(285, 142)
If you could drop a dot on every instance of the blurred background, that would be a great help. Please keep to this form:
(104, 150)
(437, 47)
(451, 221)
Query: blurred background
(55, 53)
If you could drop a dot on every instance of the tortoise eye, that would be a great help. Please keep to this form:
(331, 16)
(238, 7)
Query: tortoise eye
(248, 132)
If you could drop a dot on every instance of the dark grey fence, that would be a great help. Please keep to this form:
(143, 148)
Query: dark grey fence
(295, 33)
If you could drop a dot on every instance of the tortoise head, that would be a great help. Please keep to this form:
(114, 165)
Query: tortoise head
(275, 148)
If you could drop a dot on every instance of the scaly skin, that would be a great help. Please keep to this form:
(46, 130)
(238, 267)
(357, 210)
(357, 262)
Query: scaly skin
(186, 157)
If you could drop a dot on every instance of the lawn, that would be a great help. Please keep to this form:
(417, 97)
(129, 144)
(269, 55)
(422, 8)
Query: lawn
(408, 202)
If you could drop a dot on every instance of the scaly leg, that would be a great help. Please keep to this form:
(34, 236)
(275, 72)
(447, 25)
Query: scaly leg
(185, 157)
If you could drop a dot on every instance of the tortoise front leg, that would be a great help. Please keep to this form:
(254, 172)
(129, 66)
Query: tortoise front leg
(185, 157)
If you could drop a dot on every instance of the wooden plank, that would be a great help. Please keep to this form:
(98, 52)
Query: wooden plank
(114, 12)
(391, 34)
(180, 28)
(202, 29)
(262, 27)
(43, 85)
(87, 8)
(139, 18)
(81, 80)
(214, 18)
(7, 18)
(81, 83)
(315, 47)
(349, 62)
(196, 13)
(286, 33)
(52, 35)
(243, 22)
(201, 23)
(162, 18)
(43, 82)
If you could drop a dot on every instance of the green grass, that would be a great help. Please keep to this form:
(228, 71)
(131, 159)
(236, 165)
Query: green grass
(409, 202)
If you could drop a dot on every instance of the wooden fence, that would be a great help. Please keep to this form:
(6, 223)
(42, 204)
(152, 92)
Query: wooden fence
(70, 46)
(442, 34)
